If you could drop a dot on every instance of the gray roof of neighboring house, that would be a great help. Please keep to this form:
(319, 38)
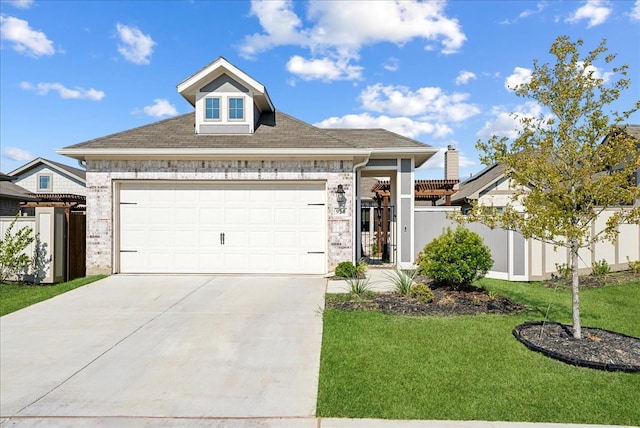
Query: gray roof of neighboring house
(9, 190)
(471, 188)
(75, 172)
(274, 130)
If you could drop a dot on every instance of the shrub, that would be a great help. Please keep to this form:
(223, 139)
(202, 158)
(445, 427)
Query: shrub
(455, 258)
(422, 292)
(402, 280)
(600, 268)
(358, 286)
(563, 270)
(346, 270)
(361, 268)
(14, 262)
(634, 267)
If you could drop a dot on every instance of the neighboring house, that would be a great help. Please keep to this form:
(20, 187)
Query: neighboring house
(238, 187)
(49, 177)
(11, 195)
(488, 187)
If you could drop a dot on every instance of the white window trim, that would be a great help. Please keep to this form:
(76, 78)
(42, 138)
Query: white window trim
(50, 188)
(244, 113)
(204, 110)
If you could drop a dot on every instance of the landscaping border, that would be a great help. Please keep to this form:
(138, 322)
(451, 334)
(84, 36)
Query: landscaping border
(567, 359)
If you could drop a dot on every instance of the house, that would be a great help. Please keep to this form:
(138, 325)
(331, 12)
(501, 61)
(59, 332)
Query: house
(238, 187)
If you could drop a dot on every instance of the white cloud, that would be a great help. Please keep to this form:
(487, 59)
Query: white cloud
(160, 107)
(519, 76)
(506, 124)
(17, 154)
(136, 46)
(25, 40)
(401, 125)
(323, 69)
(432, 103)
(595, 11)
(21, 4)
(393, 64)
(540, 6)
(64, 92)
(635, 11)
(464, 77)
(337, 30)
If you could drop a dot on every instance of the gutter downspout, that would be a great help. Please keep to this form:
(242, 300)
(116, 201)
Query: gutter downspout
(355, 207)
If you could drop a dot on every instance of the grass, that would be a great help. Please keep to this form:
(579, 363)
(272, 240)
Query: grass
(471, 368)
(16, 296)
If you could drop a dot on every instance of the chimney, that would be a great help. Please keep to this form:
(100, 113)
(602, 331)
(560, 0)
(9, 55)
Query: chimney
(451, 163)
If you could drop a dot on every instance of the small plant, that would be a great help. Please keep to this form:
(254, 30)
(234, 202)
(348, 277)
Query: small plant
(492, 295)
(346, 270)
(600, 268)
(402, 280)
(634, 267)
(374, 249)
(455, 258)
(446, 301)
(422, 292)
(14, 262)
(563, 270)
(361, 268)
(358, 285)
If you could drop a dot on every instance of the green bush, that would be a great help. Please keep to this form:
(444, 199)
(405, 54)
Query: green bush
(563, 271)
(361, 268)
(422, 292)
(634, 267)
(346, 270)
(600, 268)
(358, 286)
(14, 263)
(455, 258)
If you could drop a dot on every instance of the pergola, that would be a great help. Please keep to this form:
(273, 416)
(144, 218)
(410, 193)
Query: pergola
(425, 190)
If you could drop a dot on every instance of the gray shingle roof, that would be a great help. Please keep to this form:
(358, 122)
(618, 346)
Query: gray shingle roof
(474, 185)
(274, 130)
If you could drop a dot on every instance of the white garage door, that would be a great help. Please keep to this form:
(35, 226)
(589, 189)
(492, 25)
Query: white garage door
(222, 228)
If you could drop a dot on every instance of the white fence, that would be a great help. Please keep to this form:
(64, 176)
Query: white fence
(520, 259)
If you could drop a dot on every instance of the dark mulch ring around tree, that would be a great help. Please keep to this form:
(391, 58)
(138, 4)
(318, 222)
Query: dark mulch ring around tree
(597, 349)
(445, 302)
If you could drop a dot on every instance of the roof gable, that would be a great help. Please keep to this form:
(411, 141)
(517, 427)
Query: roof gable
(189, 87)
(63, 169)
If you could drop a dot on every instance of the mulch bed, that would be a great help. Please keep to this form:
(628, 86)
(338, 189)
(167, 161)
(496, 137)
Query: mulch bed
(597, 349)
(445, 302)
(590, 281)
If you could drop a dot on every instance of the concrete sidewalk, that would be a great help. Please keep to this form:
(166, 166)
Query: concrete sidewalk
(292, 422)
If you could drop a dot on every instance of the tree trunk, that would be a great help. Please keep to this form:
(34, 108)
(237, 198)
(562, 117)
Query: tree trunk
(575, 283)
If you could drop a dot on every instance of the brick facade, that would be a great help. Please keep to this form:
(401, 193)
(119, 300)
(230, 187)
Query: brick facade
(102, 174)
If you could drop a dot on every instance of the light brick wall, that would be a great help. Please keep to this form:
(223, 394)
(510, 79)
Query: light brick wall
(102, 174)
(59, 183)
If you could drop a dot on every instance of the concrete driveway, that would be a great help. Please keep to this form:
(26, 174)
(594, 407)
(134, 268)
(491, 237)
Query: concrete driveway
(165, 347)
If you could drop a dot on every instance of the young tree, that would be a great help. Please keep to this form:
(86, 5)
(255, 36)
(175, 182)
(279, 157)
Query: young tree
(14, 262)
(571, 164)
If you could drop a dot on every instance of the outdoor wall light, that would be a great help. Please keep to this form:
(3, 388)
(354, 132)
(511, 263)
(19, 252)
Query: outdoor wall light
(341, 199)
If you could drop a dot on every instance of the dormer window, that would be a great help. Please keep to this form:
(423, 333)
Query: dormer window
(236, 109)
(212, 108)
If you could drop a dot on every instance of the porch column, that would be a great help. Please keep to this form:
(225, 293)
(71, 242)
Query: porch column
(405, 207)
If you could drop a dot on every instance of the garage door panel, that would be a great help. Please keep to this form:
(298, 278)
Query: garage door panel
(267, 227)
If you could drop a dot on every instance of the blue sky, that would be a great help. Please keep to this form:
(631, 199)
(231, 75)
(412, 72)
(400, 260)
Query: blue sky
(438, 72)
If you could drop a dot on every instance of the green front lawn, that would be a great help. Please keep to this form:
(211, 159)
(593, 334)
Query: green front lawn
(472, 368)
(15, 296)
